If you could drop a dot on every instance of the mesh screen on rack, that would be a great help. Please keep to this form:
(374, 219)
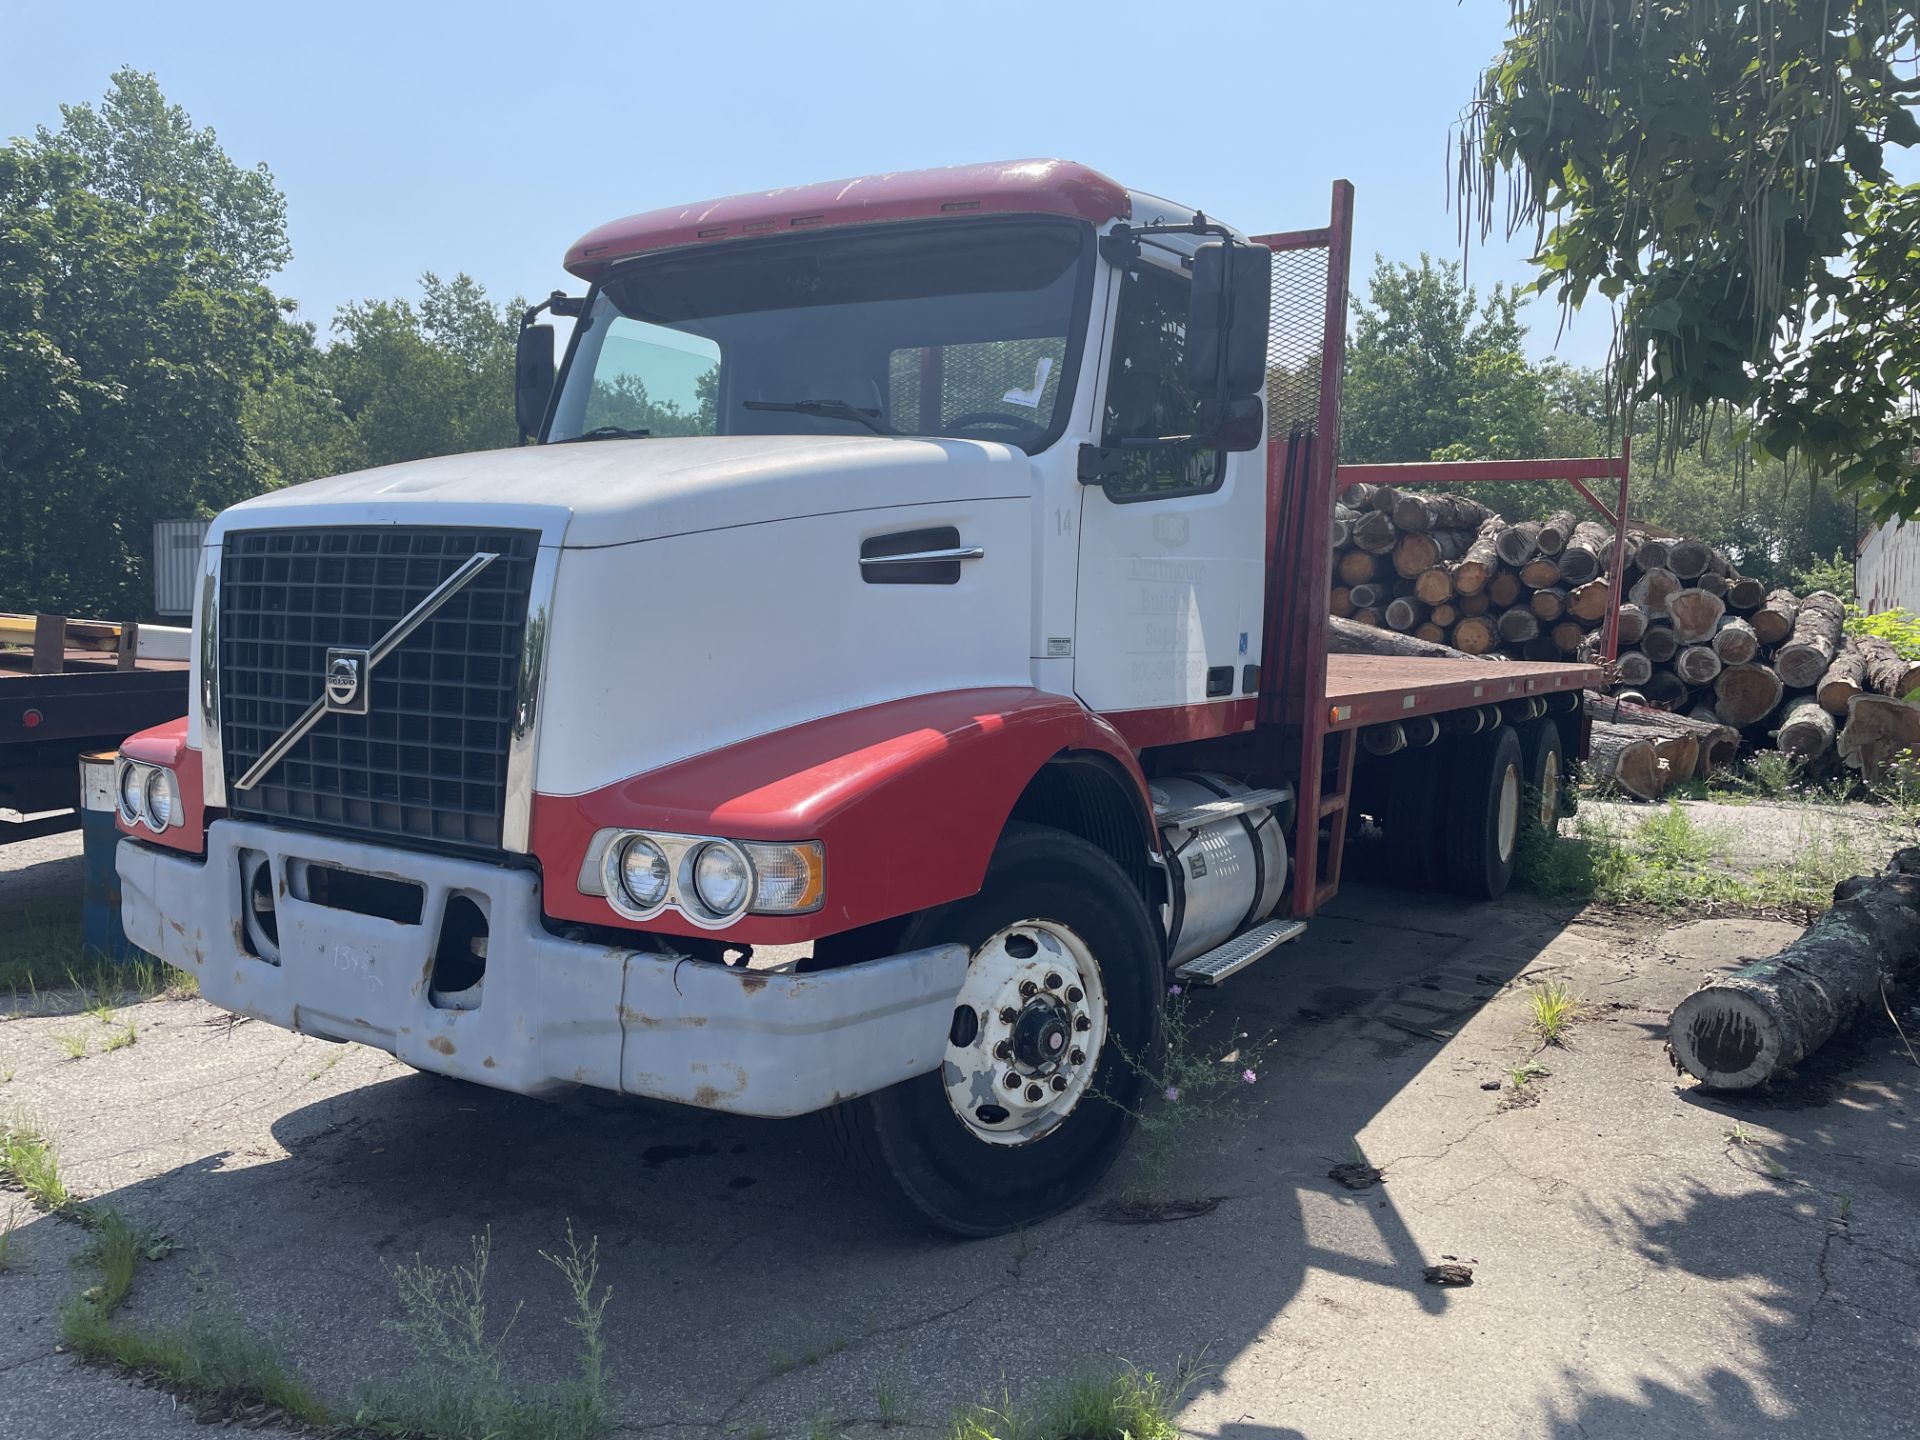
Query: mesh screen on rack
(1295, 337)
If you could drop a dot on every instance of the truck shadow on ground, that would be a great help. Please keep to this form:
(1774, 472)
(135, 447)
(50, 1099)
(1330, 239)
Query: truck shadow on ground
(755, 1284)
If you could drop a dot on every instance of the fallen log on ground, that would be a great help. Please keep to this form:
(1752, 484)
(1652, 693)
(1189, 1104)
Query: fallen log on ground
(1625, 755)
(1878, 733)
(1745, 1028)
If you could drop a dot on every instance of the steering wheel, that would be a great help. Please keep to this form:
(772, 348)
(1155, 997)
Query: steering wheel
(991, 417)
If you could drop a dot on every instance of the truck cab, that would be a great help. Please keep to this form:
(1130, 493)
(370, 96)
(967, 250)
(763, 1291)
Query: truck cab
(861, 696)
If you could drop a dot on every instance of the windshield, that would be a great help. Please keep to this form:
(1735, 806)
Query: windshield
(969, 329)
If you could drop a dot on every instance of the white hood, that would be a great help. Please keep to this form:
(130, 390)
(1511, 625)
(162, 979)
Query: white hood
(612, 492)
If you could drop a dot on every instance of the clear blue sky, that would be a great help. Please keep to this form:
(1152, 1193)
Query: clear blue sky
(485, 137)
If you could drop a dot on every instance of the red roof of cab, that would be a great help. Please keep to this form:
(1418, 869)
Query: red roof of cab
(1003, 187)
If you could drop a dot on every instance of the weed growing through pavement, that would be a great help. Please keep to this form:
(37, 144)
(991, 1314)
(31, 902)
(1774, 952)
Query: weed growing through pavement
(28, 1163)
(1554, 1009)
(886, 1405)
(1131, 1404)
(1741, 1135)
(1845, 1211)
(460, 1385)
(121, 1036)
(117, 1250)
(1521, 1075)
(9, 1256)
(74, 1047)
(1184, 1084)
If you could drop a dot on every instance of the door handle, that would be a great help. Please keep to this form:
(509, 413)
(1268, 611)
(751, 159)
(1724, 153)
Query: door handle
(923, 557)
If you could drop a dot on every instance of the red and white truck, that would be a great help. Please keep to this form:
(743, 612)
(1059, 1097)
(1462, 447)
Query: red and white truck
(903, 653)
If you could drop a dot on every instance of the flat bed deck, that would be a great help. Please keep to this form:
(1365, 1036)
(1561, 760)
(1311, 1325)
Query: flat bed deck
(1371, 689)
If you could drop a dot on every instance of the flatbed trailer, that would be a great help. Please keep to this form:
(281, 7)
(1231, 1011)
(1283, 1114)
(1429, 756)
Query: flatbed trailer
(60, 700)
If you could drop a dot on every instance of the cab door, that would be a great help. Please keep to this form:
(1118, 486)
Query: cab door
(1172, 540)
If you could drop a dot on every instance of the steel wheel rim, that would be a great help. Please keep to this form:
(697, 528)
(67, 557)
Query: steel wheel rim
(1550, 791)
(1509, 823)
(1006, 1018)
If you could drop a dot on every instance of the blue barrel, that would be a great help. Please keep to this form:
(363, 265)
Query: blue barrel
(100, 934)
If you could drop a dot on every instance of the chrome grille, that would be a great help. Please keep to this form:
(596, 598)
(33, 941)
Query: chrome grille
(428, 761)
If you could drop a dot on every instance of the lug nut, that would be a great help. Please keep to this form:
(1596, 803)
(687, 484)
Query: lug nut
(1012, 1081)
(1059, 1083)
(1082, 1024)
(1003, 1051)
(1053, 981)
(1009, 1015)
(1078, 1057)
(1028, 989)
(1034, 1093)
(1074, 995)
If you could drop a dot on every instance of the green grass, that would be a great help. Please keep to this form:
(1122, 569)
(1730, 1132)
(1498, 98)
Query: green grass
(10, 1256)
(1554, 1009)
(1131, 1404)
(1667, 861)
(40, 954)
(116, 1251)
(1521, 1075)
(121, 1036)
(887, 1407)
(211, 1359)
(72, 1045)
(28, 1163)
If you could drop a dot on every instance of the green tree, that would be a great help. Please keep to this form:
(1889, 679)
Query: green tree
(147, 154)
(131, 344)
(416, 380)
(1432, 372)
(1719, 168)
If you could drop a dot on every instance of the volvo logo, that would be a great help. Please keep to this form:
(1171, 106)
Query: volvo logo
(346, 681)
(343, 683)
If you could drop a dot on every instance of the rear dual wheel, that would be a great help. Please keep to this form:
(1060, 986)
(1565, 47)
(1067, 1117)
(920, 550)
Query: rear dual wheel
(1037, 1091)
(1483, 813)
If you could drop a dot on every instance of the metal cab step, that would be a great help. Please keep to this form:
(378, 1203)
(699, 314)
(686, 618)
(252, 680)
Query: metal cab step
(1191, 817)
(1238, 953)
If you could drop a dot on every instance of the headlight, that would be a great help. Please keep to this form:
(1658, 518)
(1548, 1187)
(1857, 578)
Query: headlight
(644, 873)
(162, 798)
(132, 792)
(722, 878)
(788, 879)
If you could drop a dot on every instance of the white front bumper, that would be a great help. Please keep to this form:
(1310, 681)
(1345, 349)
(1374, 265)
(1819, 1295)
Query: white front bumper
(552, 1012)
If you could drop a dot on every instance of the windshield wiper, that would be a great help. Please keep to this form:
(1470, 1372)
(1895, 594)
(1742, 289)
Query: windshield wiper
(607, 432)
(827, 410)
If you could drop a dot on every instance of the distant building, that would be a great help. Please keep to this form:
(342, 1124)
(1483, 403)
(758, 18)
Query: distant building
(1886, 571)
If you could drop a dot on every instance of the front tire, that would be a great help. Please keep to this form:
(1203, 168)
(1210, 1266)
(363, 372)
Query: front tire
(1067, 963)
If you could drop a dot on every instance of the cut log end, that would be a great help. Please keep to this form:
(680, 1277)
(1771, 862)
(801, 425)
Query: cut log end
(1725, 1039)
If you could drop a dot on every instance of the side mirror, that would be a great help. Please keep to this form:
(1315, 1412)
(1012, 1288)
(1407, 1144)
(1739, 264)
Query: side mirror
(1227, 319)
(1240, 425)
(532, 377)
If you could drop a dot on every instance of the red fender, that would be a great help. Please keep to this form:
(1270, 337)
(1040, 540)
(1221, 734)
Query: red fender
(908, 797)
(167, 745)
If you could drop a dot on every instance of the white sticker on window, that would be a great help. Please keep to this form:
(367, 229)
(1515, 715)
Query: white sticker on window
(1031, 398)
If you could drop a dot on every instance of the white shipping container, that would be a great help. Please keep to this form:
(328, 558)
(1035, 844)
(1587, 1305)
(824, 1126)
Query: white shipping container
(1886, 573)
(176, 564)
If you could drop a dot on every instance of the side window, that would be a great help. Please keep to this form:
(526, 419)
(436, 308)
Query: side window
(932, 386)
(1147, 391)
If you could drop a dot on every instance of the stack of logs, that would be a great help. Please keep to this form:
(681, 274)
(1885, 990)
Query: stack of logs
(1444, 568)
(1706, 654)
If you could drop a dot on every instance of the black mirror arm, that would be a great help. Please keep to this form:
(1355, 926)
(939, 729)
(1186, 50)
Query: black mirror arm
(571, 307)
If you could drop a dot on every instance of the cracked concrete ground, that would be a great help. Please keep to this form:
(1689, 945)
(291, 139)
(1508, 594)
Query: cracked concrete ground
(1637, 1272)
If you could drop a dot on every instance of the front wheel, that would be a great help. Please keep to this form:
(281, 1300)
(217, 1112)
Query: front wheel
(1041, 1080)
